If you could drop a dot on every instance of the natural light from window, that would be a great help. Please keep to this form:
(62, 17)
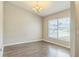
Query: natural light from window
(59, 28)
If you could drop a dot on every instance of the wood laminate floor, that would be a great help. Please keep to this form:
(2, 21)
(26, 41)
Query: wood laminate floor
(36, 49)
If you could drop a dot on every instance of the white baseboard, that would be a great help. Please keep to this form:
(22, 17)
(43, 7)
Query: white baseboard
(63, 45)
(21, 42)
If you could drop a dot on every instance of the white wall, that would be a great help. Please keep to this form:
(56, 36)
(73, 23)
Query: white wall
(20, 25)
(1, 27)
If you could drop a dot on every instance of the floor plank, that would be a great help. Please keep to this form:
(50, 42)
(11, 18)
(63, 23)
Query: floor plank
(36, 49)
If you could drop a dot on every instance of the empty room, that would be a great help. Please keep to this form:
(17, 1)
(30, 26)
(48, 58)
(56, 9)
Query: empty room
(39, 29)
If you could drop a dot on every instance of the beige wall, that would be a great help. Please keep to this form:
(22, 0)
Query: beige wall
(45, 35)
(1, 27)
(20, 25)
(75, 29)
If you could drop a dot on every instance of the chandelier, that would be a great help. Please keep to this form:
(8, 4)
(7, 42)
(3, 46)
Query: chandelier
(39, 5)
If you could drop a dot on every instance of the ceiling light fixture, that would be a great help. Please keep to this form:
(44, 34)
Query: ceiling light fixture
(37, 6)
(40, 5)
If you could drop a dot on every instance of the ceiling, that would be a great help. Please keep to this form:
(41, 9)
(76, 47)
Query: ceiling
(52, 7)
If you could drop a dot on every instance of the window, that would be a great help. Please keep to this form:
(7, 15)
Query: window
(52, 28)
(59, 28)
(64, 29)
